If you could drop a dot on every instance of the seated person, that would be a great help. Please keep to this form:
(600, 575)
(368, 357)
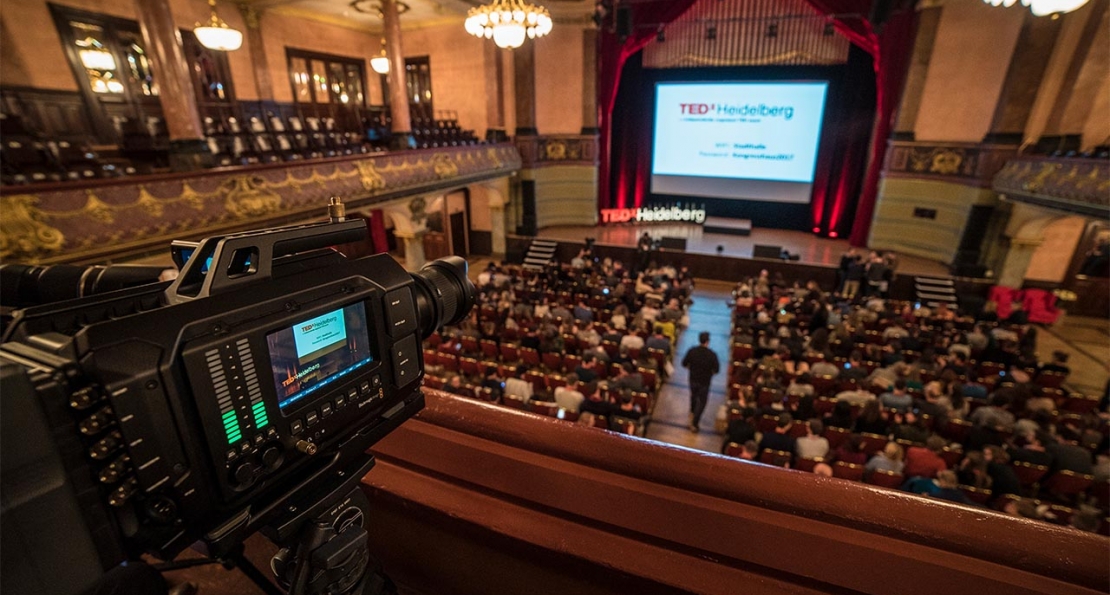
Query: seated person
(1058, 365)
(587, 370)
(889, 459)
(851, 451)
(780, 438)
(1034, 449)
(740, 430)
(870, 420)
(628, 378)
(569, 397)
(813, 445)
(454, 385)
(519, 387)
(925, 462)
(897, 399)
(625, 409)
(841, 416)
(494, 382)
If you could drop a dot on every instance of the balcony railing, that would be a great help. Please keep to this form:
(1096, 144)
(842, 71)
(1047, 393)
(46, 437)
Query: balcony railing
(1080, 186)
(90, 222)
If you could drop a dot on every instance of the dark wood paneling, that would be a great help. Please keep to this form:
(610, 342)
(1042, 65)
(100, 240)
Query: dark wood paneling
(481, 243)
(466, 486)
(54, 114)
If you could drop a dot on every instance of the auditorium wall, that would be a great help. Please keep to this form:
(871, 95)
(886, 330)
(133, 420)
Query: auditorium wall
(971, 54)
(565, 194)
(34, 56)
(559, 82)
(458, 62)
(896, 228)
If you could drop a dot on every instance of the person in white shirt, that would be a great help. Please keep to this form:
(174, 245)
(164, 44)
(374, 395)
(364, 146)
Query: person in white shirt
(569, 397)
(631, 341)
(813, 445)
(519, 388)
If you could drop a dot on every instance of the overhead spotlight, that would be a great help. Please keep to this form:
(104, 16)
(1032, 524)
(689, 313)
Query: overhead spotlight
(773, 30)
(711, 33)
(829, 30)
(661, 35)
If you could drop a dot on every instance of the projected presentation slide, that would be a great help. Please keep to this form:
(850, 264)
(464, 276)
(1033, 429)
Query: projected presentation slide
(750, 140)
(312, 354)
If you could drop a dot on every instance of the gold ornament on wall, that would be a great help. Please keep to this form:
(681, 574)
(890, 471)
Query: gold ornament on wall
(247, 197)
(23, 235)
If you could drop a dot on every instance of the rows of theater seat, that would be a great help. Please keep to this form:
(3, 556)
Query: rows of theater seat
(276, 139)
(449, 353)
(27, 159)
(441, 133)
(1059, 492)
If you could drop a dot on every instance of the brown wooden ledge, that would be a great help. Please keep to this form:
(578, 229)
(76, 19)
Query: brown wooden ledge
(475, 498)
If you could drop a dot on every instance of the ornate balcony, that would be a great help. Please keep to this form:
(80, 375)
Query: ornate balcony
(1080, 186)
(94, 221)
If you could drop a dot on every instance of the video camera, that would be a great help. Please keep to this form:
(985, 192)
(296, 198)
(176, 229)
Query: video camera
(242, 396)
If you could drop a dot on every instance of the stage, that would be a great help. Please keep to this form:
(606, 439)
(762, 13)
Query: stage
(810, 248)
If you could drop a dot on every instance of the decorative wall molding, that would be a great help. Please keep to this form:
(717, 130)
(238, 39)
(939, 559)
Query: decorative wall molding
(1079, 186)
(45, 224)
(971, 164)
(557, 149)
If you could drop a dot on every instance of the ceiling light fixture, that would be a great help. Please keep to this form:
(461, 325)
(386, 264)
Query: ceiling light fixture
(380, 63)
(216, 35)
(508, 22)
(1042, 8)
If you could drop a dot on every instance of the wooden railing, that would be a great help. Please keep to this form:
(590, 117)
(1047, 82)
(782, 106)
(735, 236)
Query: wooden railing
(85, 222)
(473, 498)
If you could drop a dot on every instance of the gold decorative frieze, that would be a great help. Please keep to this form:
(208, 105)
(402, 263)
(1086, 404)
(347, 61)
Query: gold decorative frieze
(76, 222)
(962, 163)
(1074, 185)
(563, 149)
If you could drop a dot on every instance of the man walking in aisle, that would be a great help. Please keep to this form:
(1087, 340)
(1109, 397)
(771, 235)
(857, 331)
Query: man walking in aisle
(703, 365)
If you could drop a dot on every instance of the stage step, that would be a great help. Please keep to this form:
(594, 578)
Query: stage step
(934, 290)
(540, 253)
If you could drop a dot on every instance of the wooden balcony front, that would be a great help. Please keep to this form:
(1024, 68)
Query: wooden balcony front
(473, 498)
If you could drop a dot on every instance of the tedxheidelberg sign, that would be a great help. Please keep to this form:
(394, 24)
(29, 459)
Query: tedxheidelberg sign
(658, 214)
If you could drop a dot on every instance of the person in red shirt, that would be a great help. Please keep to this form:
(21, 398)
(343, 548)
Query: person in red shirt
(925, 462)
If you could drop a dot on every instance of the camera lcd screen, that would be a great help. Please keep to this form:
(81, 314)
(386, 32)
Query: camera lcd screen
(310, 355)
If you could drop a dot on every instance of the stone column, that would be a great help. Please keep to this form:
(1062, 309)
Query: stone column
(398, 96)
(524, 80)
(927, 24)
(1017, 262)
(414, 248)
(188, 149)
(497, 228)
(259, 64)
(589, 81)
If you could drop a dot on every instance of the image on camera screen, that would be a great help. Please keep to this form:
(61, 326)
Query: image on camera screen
(314, 353)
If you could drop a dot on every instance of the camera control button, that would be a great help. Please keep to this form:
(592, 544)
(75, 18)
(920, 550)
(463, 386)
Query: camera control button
(364, 387)
(340, 402)
(352, 395)
(245, 447)
(325, 410)
(400, 313)
(232, 455)
(376, 380)
(406, 361)
(311, 418)
(259, 439)
(296, 426)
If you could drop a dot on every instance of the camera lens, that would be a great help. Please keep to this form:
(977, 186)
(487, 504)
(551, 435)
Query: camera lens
(444, 294)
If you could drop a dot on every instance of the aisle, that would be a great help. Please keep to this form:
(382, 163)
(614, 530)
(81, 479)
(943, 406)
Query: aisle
(709, 313)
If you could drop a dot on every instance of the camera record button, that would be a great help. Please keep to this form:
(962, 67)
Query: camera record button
(400, 312)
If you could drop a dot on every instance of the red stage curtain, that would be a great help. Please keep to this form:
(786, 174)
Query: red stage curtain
(612, 54)
(890, 51)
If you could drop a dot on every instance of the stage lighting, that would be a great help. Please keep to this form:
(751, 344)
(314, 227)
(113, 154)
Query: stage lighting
(711, 33)
(832, 234)
(816, 230)
(773, 30)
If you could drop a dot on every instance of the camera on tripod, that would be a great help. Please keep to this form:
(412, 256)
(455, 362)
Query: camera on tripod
(242, 396)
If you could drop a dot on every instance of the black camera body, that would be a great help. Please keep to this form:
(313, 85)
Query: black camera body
(183, 414)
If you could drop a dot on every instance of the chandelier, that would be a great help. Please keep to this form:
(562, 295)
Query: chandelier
(380, 63)
(508, 22)
(216, 35)
(1042, 8)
